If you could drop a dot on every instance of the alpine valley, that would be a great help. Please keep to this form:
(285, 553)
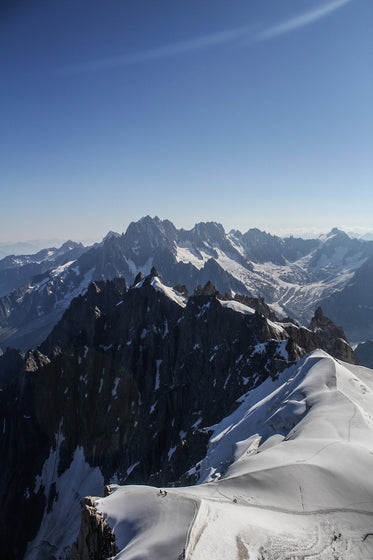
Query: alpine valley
(188, 396)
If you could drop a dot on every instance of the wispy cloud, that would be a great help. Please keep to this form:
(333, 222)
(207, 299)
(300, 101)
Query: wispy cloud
(230, 36)
(300, 21)
(181, 47)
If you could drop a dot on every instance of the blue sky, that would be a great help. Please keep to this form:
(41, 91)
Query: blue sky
(250, 113)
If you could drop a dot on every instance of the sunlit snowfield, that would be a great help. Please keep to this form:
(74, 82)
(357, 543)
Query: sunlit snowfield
(287, 475)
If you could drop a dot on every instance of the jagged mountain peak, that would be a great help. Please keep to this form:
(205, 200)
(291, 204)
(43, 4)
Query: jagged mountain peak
(334, 234)
(208, 228)
(204, 235)
(154, 272)
(321, 323)
(139, 278)
(149, 224)
(207, 290)
(262, 246)
(111, 239)
(147, 235)
(235, 233)
(257, 236)
(149, 220)
(111, 234)
(335, 231)
(69, 244)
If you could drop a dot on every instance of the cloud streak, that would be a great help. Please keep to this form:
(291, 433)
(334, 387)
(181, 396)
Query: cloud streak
(230, 36)
(181, 47)
(301, 21)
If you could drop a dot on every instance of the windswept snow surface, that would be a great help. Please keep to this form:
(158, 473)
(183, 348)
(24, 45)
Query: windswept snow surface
(147, 524)
(287, 475)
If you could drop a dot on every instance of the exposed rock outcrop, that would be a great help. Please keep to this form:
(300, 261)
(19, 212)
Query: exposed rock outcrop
(96, 539)
(333, 338)
(258, 304)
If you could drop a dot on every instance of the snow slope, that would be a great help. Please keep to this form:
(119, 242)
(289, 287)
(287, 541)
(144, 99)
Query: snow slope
(168, 292)
(70, 487)
(286, 475)
(289, 286)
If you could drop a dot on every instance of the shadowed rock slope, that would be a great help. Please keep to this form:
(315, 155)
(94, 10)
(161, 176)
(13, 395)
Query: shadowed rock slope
(127, 377)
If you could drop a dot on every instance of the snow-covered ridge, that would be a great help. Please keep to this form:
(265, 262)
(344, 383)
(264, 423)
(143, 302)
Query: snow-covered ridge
(181, 300)
(287, 475)
(59, 270)
(237, 306)
(168, 292)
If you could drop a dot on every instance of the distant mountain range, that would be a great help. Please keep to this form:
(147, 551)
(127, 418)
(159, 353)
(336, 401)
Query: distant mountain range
(293, 275)
(26, 247)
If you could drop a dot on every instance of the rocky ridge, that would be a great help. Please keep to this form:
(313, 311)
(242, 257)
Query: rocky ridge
(293, 275)
(96, 539)
(131, 379)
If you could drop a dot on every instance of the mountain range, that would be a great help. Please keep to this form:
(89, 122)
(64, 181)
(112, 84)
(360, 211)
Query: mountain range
(150, 385)
(293, 275)
(205, 365)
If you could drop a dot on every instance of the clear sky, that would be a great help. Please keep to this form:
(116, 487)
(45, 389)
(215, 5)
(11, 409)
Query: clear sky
(252, 113)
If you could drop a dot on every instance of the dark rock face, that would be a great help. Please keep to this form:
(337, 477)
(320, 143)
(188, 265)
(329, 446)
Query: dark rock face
(77, 326)
(10, 364)
(133, 377)
(321, 333)
(223, 281)
(353, 306)
(263, 247)
(151, 351)
(209, 290)
(258, 304)
(24, 444)
(364, 352)
(96, 539)
(148, 238)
